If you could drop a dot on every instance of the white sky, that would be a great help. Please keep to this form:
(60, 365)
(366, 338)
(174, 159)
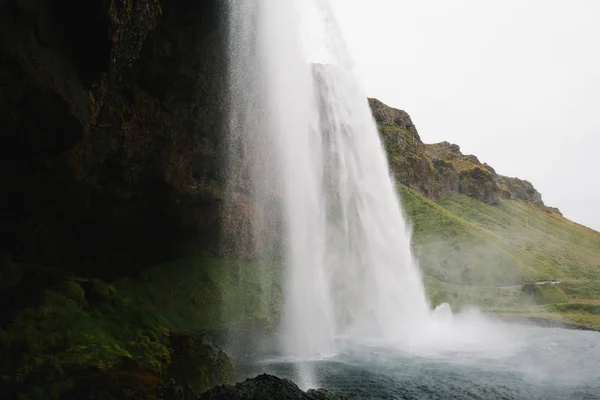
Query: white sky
(515, 82)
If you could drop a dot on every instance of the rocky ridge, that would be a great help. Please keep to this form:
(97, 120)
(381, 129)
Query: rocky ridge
(441, 170)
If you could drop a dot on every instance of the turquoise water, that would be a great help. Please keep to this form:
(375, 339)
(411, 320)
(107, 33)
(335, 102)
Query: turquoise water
(548, 363)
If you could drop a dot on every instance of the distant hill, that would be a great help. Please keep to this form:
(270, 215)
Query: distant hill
(481, 238)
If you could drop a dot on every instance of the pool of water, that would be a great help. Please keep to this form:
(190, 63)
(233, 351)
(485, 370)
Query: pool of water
(538, 363)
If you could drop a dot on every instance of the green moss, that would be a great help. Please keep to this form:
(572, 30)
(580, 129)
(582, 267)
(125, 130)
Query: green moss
(81, 325)
(55, 341)
(208, 293)
(198, 365)
(73, 291)
(458, 161)
(399, 143)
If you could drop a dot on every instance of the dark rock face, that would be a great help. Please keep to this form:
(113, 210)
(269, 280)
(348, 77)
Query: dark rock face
(110, 161)
(267, 387)
(111, 123)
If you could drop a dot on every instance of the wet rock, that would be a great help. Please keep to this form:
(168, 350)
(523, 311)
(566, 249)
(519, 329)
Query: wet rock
(267, 387)
(197, 364)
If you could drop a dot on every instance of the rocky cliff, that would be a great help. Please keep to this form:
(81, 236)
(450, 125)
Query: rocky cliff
(110, 143)
(111, 127)
(111, 167)
(440, 170)
(112, 136)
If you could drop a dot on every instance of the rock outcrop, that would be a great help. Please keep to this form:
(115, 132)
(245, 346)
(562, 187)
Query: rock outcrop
(515, 188)
(435, 178)
(475, 179)
(441, 170)
(267, 387)
(111, 126)
(197, 365)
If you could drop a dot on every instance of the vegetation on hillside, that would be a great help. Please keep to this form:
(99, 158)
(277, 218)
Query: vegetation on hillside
(81, 337)
(511, 258)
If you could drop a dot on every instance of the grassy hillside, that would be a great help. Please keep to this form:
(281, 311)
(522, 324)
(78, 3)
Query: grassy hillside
(490, 256)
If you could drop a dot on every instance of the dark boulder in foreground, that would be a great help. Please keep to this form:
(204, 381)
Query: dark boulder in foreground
(197, 364)
(267, 387)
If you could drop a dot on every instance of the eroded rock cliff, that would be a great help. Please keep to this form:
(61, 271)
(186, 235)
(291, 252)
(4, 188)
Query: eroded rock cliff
(441, 170)
(111, 125)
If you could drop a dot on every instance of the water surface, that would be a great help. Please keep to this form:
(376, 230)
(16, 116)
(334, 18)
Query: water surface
(548, 363)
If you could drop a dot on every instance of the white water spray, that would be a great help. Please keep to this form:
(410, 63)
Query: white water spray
(349, 267)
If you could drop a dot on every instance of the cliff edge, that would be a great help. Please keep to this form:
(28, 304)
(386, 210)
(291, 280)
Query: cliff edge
(441, 170)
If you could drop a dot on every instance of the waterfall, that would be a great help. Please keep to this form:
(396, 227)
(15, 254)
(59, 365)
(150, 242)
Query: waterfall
(314, 158)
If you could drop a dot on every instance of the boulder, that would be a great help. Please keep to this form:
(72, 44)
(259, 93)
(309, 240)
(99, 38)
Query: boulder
(267, 387)
(197, 364)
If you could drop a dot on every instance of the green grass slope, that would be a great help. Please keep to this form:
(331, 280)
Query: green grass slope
(472, 253)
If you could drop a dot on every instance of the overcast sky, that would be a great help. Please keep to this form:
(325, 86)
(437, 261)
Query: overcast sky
(515, 82)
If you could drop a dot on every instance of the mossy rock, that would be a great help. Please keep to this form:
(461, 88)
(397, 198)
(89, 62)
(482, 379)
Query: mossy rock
(197, 294)
(99, 291)
(54, 345)
(73, 291)
(198, 364)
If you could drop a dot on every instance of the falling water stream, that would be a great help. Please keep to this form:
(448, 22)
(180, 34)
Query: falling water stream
(313, 155)
(350, 270)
